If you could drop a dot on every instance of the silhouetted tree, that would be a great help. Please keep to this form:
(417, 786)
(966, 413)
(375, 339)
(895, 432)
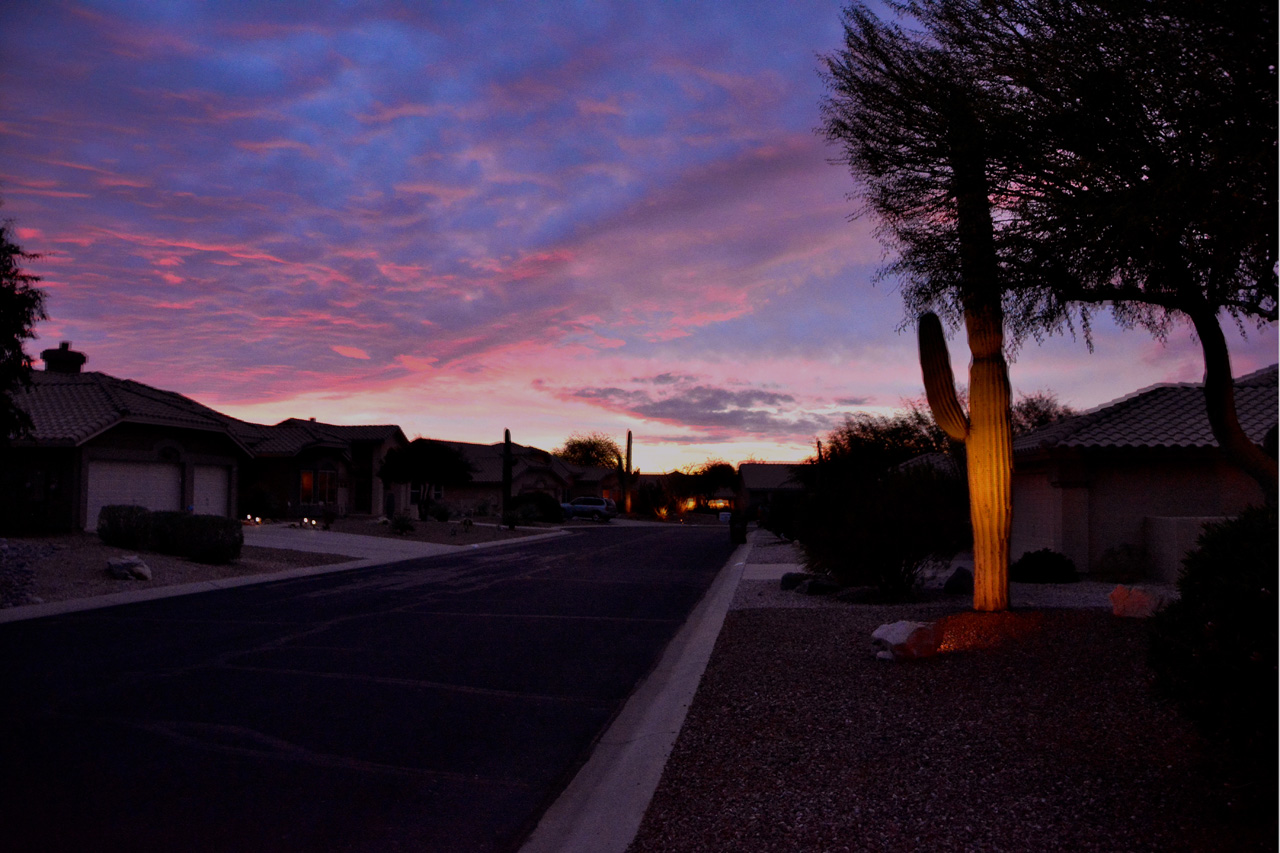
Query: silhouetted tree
(425, 463)
(1130, 155)
(1027, 160)
(910, 116)
(594, 449)
(21, 307)
(1036, 410)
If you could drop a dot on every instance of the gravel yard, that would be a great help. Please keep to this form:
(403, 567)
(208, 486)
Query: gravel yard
(1035, 730)
(60, 568)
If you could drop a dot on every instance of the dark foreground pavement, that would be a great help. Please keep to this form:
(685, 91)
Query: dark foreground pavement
(438, 704)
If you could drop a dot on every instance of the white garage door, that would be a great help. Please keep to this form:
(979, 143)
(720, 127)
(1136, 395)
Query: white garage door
(155, 485)
(211, 489)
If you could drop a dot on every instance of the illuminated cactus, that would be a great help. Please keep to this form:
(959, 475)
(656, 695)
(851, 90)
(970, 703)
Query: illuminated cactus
(988, 438)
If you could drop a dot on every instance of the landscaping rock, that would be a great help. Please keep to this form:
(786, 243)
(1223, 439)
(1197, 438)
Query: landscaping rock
(960, 582)
(1136, 602)
(905, 640)
(129, 568)
(821, 586)
(791, 580)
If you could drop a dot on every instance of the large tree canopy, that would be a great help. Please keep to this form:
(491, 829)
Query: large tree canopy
(1127, 151)
(594, 449)
(21, 307)
(426, 463)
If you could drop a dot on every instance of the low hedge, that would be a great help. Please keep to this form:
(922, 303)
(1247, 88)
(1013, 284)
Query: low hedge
(125, 526)
(202, 538)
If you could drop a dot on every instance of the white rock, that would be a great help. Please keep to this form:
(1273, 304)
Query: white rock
(905, 640)
(129, 568)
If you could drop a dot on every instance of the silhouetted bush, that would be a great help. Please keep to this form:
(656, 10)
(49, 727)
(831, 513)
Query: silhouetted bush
(536, 506)
(169, 531)
(203, 538)
(213, 539)
(1043, 566)
(124, 526)
(440, 512)
(1214, 650)
(883, 533)
(782, 515)
(402, 524)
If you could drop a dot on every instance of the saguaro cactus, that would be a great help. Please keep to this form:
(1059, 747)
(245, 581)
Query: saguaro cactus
(626, 478)
(988, 437)
(506, 471)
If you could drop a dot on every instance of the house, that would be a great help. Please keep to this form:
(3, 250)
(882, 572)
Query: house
(532, 470)
(764, 483)
(1134, 480)
(97, 440)
(306, 468)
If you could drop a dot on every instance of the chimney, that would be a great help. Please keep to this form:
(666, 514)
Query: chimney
(63, 359)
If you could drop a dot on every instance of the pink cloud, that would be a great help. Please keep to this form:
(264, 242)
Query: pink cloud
(350, 352)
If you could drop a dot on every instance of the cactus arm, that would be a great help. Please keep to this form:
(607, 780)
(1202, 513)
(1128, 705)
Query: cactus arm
(939, 381)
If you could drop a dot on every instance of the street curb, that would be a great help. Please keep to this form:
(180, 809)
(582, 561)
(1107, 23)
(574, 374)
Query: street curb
(76, 605)
(601, 809)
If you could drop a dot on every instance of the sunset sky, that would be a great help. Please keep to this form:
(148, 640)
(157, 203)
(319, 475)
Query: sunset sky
(465, 217)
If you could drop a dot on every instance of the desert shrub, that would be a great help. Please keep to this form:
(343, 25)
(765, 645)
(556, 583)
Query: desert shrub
(202, 538)
(124, 526)
(883, 533)
(169, 531)
(510, 519)
(212, 539)
(1214, 650)
(402, 524)
(782, 515)
(1043, 566)
(536, 506)
(440, 512)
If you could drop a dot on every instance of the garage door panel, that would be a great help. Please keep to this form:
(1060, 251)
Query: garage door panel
(154, 485)
(211, 489)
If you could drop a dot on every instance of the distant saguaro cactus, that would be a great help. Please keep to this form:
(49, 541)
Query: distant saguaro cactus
(988, 436)
(507, 464)
(626, 478)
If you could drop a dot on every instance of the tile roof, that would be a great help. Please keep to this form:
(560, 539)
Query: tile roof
(70, 408)
(1168, 415)
(486, 461)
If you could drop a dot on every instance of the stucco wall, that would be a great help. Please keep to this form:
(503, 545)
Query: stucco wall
(1086, 505)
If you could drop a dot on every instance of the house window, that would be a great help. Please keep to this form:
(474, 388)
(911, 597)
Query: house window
(318, 487)
(415, 493)
(327, 487)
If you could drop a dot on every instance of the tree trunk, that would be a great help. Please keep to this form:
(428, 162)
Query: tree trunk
(1220, 403)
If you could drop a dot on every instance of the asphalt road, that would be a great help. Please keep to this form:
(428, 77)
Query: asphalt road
(435, 704)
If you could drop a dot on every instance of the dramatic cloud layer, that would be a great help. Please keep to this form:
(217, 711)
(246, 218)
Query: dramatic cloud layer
(465, 217)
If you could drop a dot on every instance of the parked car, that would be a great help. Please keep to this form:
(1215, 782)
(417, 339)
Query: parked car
(596, 509)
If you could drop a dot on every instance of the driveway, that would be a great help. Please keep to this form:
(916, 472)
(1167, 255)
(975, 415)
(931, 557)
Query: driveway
(434, 704)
